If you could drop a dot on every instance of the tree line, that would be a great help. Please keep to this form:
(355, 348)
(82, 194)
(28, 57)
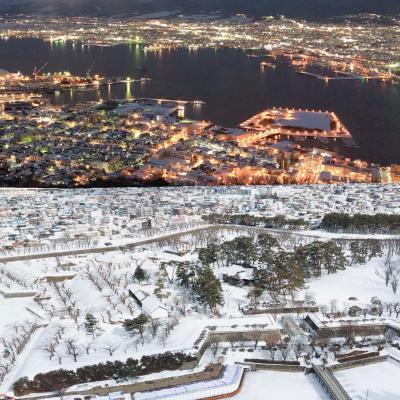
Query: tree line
(361, 223)
(59, 380)
(277, 222)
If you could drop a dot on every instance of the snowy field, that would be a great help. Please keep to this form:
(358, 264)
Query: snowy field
(360, 281)
(262, 385)
(373, 382)
(12, 311)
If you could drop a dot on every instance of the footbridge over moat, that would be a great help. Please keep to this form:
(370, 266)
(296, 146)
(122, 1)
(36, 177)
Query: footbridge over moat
(331, 384)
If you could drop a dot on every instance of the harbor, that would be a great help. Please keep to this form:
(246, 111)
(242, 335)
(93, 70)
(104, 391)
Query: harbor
(236, 89)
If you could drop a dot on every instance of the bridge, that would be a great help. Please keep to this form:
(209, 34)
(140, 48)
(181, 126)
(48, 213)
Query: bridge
(331, 384)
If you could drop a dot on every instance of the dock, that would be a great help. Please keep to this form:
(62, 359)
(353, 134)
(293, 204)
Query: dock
(344, 77)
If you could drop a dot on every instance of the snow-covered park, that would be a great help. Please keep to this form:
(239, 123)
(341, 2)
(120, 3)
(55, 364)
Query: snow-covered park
(71, 311)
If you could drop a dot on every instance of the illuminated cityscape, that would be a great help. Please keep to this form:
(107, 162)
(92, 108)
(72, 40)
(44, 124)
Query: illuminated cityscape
(366, 46)
(150, 142)
(136, 141)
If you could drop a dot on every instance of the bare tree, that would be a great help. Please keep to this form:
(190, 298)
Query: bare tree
(323, 308)
(154, 326)
(110, 348)
(59, 358)
(298, 347)
(309, 297)
(73, 348)
(271, 343)
(162, 337)
(333, 306)
(386, 269)
(284, 350)
(214, 346)
(50, 348)
(394, 280)
(88, 347)
(257, 336)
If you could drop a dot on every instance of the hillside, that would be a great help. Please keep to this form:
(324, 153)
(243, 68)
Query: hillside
(255, 8)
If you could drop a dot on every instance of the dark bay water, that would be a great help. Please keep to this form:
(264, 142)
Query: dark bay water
(231, 83)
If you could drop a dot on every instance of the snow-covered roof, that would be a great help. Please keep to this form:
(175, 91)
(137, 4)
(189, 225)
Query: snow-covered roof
(151, 304)
(137, 290)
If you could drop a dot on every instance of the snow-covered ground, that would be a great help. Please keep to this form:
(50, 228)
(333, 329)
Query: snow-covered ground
(360, 281)
(262, 385)
(373, 382)
(106, 304)
(12, 311)
(99, 286)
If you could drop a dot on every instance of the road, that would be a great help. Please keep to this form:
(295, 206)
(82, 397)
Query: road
(104, 249)
(170, 236)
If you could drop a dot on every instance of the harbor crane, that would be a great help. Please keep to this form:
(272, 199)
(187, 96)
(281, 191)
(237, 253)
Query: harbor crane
(36, 71)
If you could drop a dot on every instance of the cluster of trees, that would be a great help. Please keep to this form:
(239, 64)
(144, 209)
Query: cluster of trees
(145, 328)
(205, 287)
(14, 345)
(282, 272)
(275, 269)
(61, 379)
(389, 271)
(279, 221)
(362, 251)
(361, 223)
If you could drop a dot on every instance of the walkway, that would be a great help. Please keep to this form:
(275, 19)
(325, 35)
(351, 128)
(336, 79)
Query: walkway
(332, 385)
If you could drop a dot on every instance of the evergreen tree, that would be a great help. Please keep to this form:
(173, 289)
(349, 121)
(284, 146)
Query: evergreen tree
(160, 286)
(266, 241)
(255, 293)
(334, 258)
(91, 324)
(359, 252)
(243, 251)
(139, 274)
(374, 248)
(208, 288)
(209, 255)
(185, 274)
(136, 325)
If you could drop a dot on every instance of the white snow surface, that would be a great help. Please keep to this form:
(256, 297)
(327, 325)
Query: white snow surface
(262, 385)
(373, 382)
